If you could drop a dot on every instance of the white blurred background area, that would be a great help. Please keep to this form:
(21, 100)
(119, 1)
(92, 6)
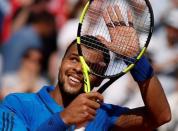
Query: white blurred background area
(35, 33)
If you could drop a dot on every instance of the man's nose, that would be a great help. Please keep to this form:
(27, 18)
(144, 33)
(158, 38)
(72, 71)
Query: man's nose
(78, 67)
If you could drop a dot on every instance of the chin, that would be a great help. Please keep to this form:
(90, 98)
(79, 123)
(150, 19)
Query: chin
(69, 90)
(72, 91)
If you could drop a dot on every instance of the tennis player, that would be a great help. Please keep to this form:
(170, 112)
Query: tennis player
(67, 107)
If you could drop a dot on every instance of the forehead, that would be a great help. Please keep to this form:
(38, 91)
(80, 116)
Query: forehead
(88, 53)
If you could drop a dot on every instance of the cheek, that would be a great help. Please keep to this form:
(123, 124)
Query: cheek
(61, 73)
(65, 66)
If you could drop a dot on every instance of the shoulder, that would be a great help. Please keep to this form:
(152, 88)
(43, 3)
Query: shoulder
(17, 111)
(16, 102)
(20, 96)
(23, 105)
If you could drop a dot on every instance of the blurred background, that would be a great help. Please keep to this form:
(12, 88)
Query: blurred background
(35, 33)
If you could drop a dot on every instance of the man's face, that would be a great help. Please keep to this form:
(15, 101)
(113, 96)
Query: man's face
(70, 74)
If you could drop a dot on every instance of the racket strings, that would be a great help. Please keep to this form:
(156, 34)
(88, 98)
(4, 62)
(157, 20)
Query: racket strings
(124, 36)
(94, 44)
(95, 13)
(96, 26)
(126, 46)
(136, 13)
(99, 69)
(141, 30)
(120, 57)
(140, 10)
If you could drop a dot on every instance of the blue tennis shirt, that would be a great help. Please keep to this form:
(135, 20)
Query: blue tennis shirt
(36, 111)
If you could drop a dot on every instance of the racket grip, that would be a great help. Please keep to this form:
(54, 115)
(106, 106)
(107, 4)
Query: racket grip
(142, 70)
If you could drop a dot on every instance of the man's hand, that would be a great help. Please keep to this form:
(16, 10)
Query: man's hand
(124, 39)
(82, 109)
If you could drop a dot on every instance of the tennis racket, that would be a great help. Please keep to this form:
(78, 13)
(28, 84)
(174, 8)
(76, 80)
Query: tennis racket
(119, 29)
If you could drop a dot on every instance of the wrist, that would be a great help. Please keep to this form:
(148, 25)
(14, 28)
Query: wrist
(65, 118)
(60, 121)
(142, 70)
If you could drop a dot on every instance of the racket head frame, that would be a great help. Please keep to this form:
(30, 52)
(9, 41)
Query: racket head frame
(85, 68)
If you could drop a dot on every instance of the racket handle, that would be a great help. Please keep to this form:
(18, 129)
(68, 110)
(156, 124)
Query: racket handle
(142, 70)
(107, 84)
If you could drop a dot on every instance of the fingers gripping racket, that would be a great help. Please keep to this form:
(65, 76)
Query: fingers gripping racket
(120, 30)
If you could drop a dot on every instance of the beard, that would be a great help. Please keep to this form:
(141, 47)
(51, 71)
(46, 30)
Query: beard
(68, 96)
(67, 91)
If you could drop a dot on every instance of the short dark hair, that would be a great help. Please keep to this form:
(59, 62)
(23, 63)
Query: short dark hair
(88, 40)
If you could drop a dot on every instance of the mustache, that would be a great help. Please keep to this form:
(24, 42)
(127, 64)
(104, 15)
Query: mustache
(62, 89)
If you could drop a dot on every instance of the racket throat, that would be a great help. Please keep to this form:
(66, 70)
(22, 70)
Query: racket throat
(85, 69)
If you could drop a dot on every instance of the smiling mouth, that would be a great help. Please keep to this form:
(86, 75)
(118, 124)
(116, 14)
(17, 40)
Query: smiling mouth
(74, 79)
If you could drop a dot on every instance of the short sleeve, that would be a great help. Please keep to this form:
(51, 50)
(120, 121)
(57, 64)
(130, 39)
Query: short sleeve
(114, 112)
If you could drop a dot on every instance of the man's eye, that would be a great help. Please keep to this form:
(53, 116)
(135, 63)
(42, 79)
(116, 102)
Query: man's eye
(74, 60)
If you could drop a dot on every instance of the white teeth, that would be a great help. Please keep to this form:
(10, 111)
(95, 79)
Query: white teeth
(74, 79)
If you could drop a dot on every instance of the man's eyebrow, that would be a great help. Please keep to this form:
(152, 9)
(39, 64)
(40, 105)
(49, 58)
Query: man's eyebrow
(74, 54)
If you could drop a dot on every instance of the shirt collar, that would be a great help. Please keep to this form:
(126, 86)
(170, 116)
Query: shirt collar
(48, 100)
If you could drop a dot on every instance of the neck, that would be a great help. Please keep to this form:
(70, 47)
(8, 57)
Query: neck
(56, 95)
(61, 97)
(67, 99)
